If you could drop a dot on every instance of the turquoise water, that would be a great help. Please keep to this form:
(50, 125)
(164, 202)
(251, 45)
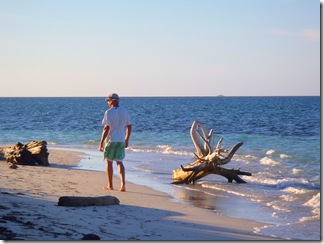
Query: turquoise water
(281, 148)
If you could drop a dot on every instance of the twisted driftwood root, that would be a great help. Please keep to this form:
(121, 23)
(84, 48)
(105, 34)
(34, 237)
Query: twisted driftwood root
(208, 161)
(87, 201)
(34, 152)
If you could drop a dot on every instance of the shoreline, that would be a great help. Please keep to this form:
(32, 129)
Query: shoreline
(30, 195)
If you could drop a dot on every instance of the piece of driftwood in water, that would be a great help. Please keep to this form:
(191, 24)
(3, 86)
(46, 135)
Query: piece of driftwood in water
(32, 153)
(198, 170)
(87, 201)
(208, 161)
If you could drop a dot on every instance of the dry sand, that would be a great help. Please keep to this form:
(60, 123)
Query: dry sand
(29, 209)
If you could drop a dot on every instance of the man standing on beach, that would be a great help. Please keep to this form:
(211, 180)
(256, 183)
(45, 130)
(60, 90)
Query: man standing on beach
(116, 133)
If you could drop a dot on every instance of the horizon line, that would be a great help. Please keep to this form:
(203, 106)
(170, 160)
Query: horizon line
(162, 96)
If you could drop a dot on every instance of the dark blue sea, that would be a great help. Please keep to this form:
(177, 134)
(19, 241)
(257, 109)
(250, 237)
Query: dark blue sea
(281, 148)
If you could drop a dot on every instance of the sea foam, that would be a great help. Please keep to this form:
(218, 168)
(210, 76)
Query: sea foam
(269, 161)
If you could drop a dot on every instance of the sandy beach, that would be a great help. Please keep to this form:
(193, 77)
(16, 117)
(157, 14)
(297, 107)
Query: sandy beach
(30, 211)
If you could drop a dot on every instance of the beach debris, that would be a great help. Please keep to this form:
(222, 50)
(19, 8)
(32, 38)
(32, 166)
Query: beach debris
(91, 237)
(32, 153)
(78, 201)
(208, 161)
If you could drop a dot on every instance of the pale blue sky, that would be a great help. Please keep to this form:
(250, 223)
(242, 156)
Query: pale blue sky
(159, 47)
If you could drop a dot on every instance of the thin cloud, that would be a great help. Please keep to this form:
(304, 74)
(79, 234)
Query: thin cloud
(308, 34)
(312, 34)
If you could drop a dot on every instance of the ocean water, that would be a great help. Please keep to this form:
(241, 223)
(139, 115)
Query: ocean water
(281, 148)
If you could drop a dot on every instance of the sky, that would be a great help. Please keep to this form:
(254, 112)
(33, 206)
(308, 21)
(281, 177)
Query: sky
(90, 48)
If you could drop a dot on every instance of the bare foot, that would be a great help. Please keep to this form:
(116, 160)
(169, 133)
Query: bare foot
(123, 189)
(107, 188)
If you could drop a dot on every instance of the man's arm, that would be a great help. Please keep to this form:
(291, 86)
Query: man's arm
(103, 137)
(128, 134)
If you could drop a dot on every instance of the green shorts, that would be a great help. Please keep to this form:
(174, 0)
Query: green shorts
(115, 151)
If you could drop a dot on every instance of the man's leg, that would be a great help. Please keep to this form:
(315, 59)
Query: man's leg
(121, 170)
(109, 170)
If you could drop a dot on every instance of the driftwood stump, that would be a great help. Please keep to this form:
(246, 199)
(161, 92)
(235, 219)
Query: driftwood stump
(198, 169)
(32, 153)
(209, 160)
(87, 201)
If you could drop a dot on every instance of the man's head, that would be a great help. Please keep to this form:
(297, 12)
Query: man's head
(113, 99)
(112, 96)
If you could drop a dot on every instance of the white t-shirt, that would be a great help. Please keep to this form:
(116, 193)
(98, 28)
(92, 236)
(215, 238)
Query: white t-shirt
(116, 118)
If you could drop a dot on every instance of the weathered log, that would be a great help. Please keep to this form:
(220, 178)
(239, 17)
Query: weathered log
(87, 201)
(208, 161)
(34, 152)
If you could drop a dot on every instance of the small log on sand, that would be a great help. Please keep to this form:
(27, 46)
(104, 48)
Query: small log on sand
(76, 201)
